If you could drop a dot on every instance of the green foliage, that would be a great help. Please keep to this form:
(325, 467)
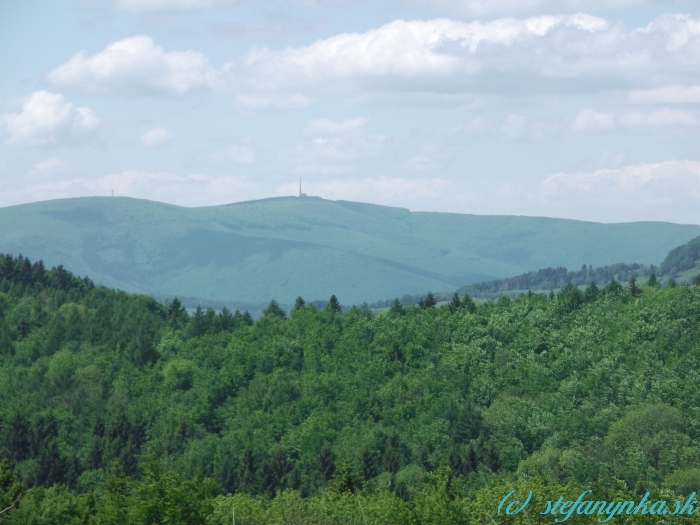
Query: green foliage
(10, 487)
(347, 479)
(275, 310)
(428, 301)
(299, 303)
(550, 278)
(414, 416)
(334, 305)
(634, 290)
(397, 308)
(681, 258)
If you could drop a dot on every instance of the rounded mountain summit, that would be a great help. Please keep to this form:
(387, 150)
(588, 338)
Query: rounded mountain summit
(251, 252)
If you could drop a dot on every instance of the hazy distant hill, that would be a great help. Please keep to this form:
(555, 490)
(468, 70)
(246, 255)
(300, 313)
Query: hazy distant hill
(284, 247)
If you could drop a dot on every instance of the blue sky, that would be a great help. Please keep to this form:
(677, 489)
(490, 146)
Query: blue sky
(579, 109)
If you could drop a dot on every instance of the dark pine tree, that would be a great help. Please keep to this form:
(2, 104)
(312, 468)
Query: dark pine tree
(326, 462)
(334, 305)
(397, 308)
(472, 460)
(247, 478)
(455, 303)
(225, 320)
(281, 466)
(274, 309)
(592, 292)
(299, 304)
(177, 315)
(653, 281)
(197, 324)
(469, 304)
(635, 291)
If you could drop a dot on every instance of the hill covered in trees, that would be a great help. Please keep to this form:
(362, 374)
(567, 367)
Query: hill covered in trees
(243, 254)
(119, 409)
(682, 263)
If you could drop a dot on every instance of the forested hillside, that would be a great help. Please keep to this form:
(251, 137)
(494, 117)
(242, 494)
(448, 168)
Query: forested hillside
(243, 254)
(555, 278)
(117, 409)
(682, 261)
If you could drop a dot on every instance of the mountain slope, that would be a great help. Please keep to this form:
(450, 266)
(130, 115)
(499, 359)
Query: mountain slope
(288, 246)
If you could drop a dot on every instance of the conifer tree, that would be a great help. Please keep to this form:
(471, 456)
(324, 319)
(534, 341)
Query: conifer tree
(274, 309)
(225, 319)
(469, 304)
(429, 301)
(633, 288)
(397, 308)
(334, 305)
(299, 304)
(455, 303)
(592, 292)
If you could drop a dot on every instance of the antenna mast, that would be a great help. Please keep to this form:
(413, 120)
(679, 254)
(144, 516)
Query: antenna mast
(299, 186)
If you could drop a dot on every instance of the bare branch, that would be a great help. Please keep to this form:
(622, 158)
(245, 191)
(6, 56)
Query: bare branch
(13, 504)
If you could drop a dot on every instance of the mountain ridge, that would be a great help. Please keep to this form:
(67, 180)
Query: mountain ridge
(283, 247)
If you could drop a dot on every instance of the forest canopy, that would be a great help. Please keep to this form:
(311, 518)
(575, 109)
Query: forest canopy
(120, 409)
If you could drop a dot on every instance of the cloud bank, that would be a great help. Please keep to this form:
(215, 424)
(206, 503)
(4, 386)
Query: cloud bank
(504, 57)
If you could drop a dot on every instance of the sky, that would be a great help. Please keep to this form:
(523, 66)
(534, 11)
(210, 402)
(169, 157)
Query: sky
(586, 110)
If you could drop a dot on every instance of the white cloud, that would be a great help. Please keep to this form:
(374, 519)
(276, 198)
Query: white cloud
(456, 62)
(437, 48)
(464, 62)
(379, 190)
(667, 95)
(237, 153)
(48, 167)
(156, 137)
(46, 119)
(159, 6)
(667, 190)
(510, 7)
(663, 117)
(318, 127)
(136, 66)
(150, 6)
(514, 126)
(184, 190)
(335, 147)
(627, 178)
(246, 101)
(664, 191)
(592, 120)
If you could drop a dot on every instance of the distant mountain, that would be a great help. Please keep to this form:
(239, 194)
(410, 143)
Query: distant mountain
(280, 248)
